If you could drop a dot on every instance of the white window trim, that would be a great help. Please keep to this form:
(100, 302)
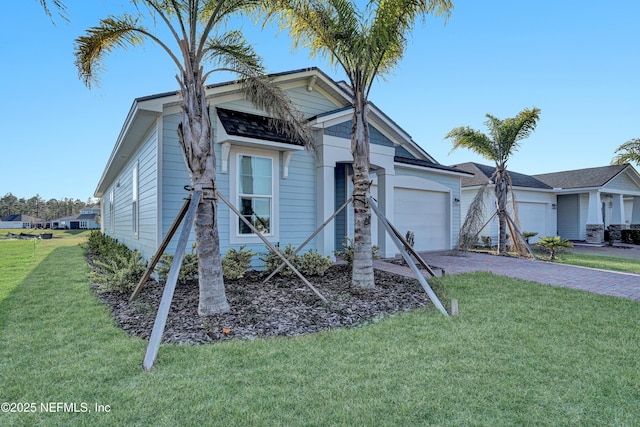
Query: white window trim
(135, 205)
(112, 211)
(235, 238)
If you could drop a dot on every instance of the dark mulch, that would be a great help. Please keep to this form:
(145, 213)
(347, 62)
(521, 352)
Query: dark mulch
(281, 307)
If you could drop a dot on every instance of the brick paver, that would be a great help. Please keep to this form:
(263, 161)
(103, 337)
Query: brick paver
(625, 285)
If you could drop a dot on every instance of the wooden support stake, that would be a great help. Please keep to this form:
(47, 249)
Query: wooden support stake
(408, 259)
(160, 251)
(315, 233)
(521, 235)
(271, 247)
(170, 286)
(454, 307)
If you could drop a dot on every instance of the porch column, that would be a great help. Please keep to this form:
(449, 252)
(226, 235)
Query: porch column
(325, 207)
(617, 222)
(386, 203)
(635, 213)
(595, 225)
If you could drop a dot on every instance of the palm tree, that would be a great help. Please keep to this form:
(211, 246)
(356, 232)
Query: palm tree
(501, 143)
(193, 27)
(629, 152)
(365, 44)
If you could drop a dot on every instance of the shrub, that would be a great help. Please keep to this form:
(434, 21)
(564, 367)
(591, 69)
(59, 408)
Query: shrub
(313, 263)
(554, 244)
(236, 263)
(630, 236)
(188, 270)
(347, 253)
(529, 234)
(119, 272)
(273, 261)
(410, 238)
(486, 241)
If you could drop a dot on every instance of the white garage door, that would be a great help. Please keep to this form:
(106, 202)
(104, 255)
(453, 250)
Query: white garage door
(426, 213)
(533, 218)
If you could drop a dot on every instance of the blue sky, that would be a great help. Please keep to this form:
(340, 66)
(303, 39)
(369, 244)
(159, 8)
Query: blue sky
(578, 61)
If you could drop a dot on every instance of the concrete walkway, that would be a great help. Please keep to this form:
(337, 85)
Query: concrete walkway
(625, 285)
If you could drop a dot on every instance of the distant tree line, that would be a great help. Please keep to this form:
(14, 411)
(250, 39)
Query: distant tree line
(37, 207)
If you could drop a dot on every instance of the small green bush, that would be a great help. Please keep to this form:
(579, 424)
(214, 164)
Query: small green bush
(347, 253)
(120, 272)
(313, 263)
(236, 263)
(273, 261)
(554, 244)
(188, 270)
(486, 241)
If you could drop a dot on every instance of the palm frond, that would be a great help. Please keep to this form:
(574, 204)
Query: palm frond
(112, 32)
(57, 4)
(474, 140)
(629, 152)
(231, 51)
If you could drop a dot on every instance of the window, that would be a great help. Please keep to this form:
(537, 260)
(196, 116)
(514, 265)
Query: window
(254, 190)
(134, 200)
(255, 193)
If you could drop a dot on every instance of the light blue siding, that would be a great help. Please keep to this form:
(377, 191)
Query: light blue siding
(622, 182)
(146, 159)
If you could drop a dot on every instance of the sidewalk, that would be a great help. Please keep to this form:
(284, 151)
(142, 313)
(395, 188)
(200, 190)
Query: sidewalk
(625, 285)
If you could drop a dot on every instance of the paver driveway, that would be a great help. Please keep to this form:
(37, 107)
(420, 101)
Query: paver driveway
(626, 285)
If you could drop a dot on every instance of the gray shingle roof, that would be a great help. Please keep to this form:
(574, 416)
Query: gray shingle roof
(425, 163)
(252, 126)
(582, 178)
(482, 174)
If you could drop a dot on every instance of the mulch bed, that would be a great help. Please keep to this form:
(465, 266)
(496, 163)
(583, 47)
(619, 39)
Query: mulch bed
(284, 306)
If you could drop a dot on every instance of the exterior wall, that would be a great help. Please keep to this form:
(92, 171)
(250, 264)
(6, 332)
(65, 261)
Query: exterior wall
(13, 224)
(121, 225)
(296, 199)
(538, 201)
(623, 183)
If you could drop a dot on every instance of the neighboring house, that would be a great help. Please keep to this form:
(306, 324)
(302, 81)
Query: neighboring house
(575, 205)
(535, 201)
(21, 221)
(592, 200)
(87, 219)
(290, 191)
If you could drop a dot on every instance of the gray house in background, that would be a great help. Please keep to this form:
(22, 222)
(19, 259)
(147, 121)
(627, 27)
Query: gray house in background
(87, 219)
(575, 205)
(594, 199)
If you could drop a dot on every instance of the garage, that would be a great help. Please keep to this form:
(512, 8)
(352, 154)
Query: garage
(426, 213)
(533, 218)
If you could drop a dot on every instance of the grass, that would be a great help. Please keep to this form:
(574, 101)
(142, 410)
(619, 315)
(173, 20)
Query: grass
(602, 262)
(518, 354)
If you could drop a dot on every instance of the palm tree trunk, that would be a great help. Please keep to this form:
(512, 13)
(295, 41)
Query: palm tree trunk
(362, 273)
(196, 138)
(502, 189)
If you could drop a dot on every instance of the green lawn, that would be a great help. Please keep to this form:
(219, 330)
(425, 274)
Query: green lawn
(602, 262)
(517, 354)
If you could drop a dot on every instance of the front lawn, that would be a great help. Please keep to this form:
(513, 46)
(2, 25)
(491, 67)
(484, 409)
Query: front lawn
(517, 354)
(598, 261)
